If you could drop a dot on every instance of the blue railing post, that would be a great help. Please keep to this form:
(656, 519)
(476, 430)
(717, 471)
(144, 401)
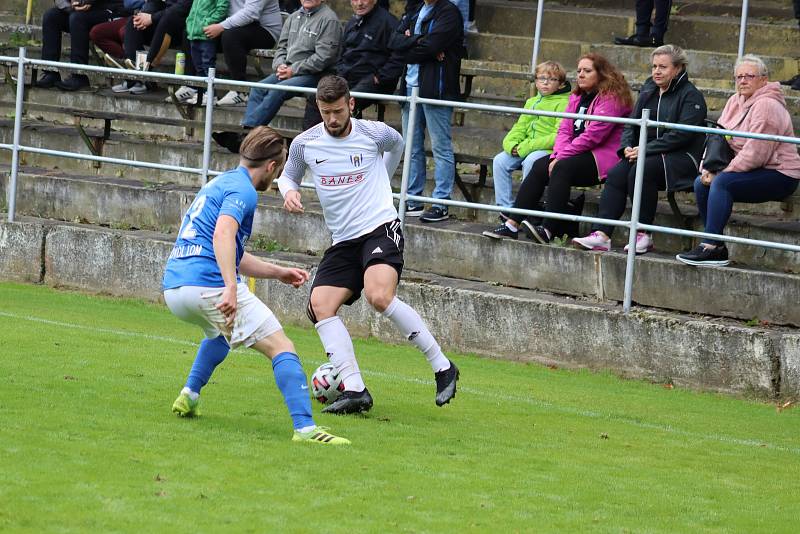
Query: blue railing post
(12, 186)
(409, 139)
(636, 204)
(743, 28)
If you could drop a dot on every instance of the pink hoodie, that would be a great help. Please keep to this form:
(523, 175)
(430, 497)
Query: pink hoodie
(601, 138)
(768, 115)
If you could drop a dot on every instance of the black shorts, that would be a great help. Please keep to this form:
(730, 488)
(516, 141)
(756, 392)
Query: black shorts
(344, 263)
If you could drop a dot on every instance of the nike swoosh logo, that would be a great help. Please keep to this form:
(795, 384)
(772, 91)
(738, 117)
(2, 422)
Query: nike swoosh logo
(303, 387)
(320, 161)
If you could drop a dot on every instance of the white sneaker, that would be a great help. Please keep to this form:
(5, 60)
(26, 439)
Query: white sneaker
(471, 27)
(138, 88)
(232, 98)
(121, 87)
(594, 241)
(644, 243)
(184, 95)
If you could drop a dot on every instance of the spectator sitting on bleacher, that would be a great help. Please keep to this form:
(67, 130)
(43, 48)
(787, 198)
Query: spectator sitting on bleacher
(531, 138)
(673, 156)
(251, 24)
(433, 47)
(584, 150)
(367, 61)
(161, 25)
(109, 36)
(760, 171)
(76, 17)
(308, 46)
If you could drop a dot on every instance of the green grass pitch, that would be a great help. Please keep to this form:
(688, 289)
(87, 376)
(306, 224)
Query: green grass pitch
(88, 442)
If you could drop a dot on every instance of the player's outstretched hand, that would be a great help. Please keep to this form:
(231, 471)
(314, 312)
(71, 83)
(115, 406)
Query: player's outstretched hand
(291, 202)
(294, 277)
(227, 304)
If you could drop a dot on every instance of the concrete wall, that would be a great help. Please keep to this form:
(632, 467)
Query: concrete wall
(469, 316)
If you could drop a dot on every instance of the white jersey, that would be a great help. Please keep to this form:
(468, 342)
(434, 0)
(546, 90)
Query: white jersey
(350, 175)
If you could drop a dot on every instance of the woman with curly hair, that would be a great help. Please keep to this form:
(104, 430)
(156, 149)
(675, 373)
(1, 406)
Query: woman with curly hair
(584, 150)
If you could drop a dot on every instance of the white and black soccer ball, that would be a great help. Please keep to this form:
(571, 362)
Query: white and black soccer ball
(326, 385)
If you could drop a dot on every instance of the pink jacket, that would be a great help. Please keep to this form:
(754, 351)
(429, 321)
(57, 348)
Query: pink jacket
(768, 115)
(601, 138)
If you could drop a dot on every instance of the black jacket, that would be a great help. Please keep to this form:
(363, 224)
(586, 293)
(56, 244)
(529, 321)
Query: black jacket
(157, 8)
(442, 31)
(367, 48)
(682, 103)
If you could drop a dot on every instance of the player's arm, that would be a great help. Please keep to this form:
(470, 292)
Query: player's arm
(224, 242)
(291, 178)
(258, 268)
(392, 145)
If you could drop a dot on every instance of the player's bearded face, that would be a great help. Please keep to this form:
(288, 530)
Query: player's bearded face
(336, 116)
(270, 175)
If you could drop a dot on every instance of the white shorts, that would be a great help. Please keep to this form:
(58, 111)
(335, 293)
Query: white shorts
(197, 305)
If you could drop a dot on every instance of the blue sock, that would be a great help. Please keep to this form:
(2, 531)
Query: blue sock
(209, 356)
(291, 380)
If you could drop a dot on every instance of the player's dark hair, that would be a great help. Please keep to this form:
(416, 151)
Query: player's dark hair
(332, 88)
(262, 144)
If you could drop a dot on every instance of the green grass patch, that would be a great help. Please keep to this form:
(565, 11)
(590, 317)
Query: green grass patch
(88, 443)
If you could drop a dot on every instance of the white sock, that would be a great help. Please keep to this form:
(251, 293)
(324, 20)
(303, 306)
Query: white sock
(306, 429)
(339, 346)
(413, 328)
(192, 395)
(511, 227)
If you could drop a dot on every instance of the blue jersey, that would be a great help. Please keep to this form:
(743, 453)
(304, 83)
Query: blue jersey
(192, 261)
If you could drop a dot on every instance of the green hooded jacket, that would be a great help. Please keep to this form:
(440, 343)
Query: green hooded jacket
(535, 132)
(204, 13)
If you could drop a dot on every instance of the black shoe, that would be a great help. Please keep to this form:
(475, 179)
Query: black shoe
(350, 402)
(434, 214)
(230, 140)
(500, 232)
(48, 80)
(702, 256)
(635, 40)
(414, 211)
(446, 384)
(537, 233)
(791, 81)
(796, 84)
(75, 82)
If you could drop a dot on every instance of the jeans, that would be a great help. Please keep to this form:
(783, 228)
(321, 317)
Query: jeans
(204, 56)
(263, 104)
(437, 120)
(502, 166)
(463, 7)
(715, 202)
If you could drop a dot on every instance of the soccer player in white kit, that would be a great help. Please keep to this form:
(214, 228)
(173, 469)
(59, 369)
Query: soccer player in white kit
(351, 161)
(202, 284)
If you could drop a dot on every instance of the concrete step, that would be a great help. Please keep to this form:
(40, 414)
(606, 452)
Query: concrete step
(736, 292)
(711, 33)
(467, 316)
(702, 64)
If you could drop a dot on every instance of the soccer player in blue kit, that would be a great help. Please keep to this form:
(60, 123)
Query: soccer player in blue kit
(202, 286)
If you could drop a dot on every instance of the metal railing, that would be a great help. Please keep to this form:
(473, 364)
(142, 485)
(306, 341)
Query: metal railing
(413, 101)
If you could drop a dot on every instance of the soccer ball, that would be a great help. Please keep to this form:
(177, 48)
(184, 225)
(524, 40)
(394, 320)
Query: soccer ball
(326, 386)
